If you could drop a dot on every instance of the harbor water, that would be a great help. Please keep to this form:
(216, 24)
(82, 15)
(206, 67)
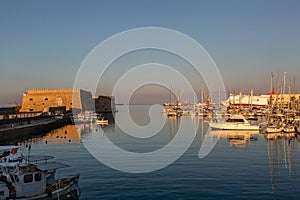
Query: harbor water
(240, 166)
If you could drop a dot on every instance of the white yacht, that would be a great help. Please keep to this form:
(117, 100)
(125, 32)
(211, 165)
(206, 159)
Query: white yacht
(235, 122)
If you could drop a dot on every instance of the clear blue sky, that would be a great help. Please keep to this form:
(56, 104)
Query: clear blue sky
(42, 43)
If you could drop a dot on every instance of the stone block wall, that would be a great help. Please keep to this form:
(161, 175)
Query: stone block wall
(40, 100)
(105, 104)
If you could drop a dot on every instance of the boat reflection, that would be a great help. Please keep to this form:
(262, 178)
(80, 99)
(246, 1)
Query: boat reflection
(235, 138)
(282, 150)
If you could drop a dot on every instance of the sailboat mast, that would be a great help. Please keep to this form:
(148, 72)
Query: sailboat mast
(271, 89)
(284, 75)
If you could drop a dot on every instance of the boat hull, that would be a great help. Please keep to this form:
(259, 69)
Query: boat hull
(70, 191)
(273, 129)
(289, 129)
(225, 126)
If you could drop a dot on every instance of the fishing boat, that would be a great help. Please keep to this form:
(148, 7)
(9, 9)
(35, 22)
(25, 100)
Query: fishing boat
(235, 122)
(33, 177)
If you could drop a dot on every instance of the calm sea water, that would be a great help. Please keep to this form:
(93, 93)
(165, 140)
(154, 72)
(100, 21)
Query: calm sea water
(238, 167)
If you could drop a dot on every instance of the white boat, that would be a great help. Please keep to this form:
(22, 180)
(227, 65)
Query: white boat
(289, 128)
(273, 128)
(33, 177)
(102, 121)
(235, 122)
(85, 117)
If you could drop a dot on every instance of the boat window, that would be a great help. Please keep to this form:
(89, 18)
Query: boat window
(28, 178)
(235, 120)
(17, 178)
(38, 177)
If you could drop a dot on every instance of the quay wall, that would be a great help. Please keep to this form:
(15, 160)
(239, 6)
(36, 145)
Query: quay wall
(30, 128)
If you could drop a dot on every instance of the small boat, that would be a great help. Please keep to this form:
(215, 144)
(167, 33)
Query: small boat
(289, 128)
(235, 122)
(102, 121)
(33, 177)
(273, 128)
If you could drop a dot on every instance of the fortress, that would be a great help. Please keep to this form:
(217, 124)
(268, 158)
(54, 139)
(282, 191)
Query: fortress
(41, 100)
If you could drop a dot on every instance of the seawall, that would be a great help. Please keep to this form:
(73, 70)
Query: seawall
(17, 133)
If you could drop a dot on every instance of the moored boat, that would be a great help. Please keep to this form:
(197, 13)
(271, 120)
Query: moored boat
(235, 122)
(273, 128)
(33, 177)
(102, 121)
(289, 128)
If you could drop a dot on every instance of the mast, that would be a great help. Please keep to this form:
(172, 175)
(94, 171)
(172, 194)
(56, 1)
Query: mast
(271, 89)
(284, 75)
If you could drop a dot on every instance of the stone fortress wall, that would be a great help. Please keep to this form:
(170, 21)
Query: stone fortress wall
(40, 100)
(105, 104)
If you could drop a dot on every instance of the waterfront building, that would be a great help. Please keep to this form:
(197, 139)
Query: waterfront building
(244, 100)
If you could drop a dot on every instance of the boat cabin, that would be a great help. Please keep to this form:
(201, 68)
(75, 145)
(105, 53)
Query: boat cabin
(27, 180)
(237, 119)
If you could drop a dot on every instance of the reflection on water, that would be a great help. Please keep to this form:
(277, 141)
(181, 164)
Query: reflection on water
(236, 138)
(263, 167)
(282, 151)
(173, 123)
(66, 134)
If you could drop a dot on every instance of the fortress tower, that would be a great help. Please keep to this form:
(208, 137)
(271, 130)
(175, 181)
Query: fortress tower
(40, 100)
